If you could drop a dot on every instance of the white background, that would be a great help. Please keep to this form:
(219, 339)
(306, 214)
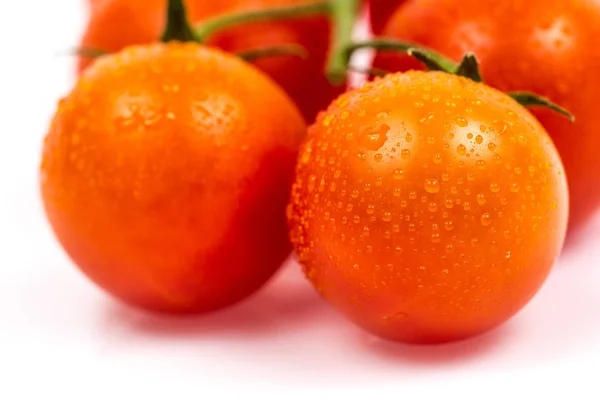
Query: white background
(62, 338)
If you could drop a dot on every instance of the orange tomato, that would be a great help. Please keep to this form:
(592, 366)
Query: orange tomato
(115, 24)
(550, 49)
(427, 207)
(165, 177)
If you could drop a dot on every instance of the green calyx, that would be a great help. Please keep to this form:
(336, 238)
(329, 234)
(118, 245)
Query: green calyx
(177, 24)
(468, 68)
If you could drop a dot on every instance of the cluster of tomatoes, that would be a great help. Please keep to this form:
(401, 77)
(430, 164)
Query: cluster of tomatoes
(425, 205)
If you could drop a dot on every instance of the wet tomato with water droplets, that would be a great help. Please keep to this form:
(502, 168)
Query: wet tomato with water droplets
(166, 178)
(115, 24)
(549, 49)
(427, 207)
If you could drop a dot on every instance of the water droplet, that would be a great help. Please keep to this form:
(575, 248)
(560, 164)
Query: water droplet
(332, 187)
(481, 164)
(466, 205)
(514, 187)
(470, 177)
(397, 192)
(412, 195)
(449, 225)
(408, 138)
(481, 200)
(433, 207)
(328, 120)
(405, 153)
(494, 187)
(370, 209)
(461, 149)
(478, 139)
(398, 174)
(445, 177)
(366, 232)
(412, 227)
(507, 255)
(373, 138)
(367, 187)
(378, 157)
(387, 216)
(354, 193)
(449, 203)
(356, 219)
(486, 219)
(312, 181)
(436, 237)
(437, 158)
(462, 122)
(432, 186)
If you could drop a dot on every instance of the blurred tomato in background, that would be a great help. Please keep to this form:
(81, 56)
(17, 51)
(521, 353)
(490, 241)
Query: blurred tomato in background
(115, 24)
(380, 12)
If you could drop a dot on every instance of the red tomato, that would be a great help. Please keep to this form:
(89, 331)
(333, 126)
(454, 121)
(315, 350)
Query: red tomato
(428, 207)
(547, 47)
(165, 176)
(380, 12)
(115, 24)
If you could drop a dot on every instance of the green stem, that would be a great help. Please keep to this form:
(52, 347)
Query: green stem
(275, 51)
(527, 99)
(431, 59)
(177, 25)
(213, 25)
(343, 14)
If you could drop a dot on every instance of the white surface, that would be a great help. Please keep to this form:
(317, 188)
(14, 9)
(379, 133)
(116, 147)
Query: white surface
(60, 337)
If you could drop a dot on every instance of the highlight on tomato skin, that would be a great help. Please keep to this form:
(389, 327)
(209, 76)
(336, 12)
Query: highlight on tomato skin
(550, 49)
(165, 178)
(427, 208)
(115, 24)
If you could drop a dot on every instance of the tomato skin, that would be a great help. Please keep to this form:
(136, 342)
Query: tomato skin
(115, 24)
(166, 178)
(550, 50)
(380, 12)
(427, 207)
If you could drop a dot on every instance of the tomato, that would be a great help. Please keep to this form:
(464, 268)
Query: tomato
(166, 178)
(427, 207)
(549, 49)
(115, 24)
(380, 12)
